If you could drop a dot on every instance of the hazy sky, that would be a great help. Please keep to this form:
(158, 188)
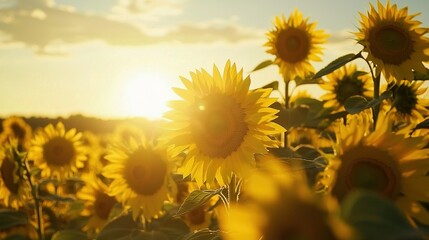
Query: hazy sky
(119, 58)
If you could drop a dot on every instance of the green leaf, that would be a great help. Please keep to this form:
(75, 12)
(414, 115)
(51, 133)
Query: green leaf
(356, 104)
(422, 125)
(421, 76)
(274, 85)
(263, 65)
(334, 116)
(131, 234)
(69, 235)
(337, 63)
(17, 237)
(11, 218)
(174, 228)
(204, 234)
(196, 199)
(307, 80)
(375, 217)
(54, 197)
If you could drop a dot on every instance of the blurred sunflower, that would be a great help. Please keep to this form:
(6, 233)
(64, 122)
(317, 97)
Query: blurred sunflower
(382, 161)
(56, 152)
(307, 136)
(14, 190)
(94, 150)
(221, 124)
(394, 41)
(281, 206)
(344, 83)
(141, 177)
(16, 127)
(295, 43)
(98, 204)
(200, 217)
(125, 132)
(408, 102)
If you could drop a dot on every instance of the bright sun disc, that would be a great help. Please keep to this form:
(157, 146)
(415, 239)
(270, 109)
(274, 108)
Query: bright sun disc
(146, 95)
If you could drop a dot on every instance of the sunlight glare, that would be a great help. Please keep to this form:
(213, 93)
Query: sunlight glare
(146, 95)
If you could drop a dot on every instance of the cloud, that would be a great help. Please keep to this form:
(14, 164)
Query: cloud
(44, 25)
(211, 31)
(149, 9)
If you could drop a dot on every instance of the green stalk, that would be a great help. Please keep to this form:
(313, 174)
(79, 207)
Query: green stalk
(38, 208)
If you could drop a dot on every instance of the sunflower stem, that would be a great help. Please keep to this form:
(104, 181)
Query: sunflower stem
(35, 194)
(287, 99)
(376, 109)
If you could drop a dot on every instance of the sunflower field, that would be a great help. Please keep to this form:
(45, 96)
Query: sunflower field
(234, 163)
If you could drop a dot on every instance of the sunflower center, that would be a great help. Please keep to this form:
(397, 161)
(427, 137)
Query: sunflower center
(218, 126)
(348, 87)
(196, 216)
(405, 99)
(58, 151)
(391, 43)
(18, 131)
(7, 174)
(293, 45)
(103, 205)
(145, 172)
(367, 168)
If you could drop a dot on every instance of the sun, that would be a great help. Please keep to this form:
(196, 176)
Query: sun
(145, 95)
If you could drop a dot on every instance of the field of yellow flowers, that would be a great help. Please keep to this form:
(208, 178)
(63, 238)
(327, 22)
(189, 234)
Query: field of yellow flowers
(229, 162)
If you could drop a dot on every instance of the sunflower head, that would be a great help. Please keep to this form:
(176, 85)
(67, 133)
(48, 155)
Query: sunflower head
(343, 83)
(394, 41)
(382, 161)
(295, 43)
(16, 127)
(13, 188)
(141, 176)
(221, 124)
(408, 102)
(98, 204)
(279, 205)
(57, 152)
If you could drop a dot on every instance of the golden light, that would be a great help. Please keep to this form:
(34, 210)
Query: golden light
(146, 95)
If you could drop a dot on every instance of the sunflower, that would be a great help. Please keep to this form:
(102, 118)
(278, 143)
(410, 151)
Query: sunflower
(306, 136)
(394, 41)
(56, 152)
(98, 204)
(295, 43)
(16, 127)
(382, 161)
(221, 124)
(13, 187)
(200, 217)
(408, 102)
(141, 176)
(125, 131)
(343, 83)
(94, 150)
(281, 206)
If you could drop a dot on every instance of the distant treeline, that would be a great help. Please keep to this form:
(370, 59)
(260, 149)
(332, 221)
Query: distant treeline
(95, 125)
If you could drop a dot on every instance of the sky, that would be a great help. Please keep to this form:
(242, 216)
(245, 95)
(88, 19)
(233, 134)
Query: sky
(120, 58)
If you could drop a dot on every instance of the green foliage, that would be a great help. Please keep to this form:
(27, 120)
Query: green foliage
(307, 80)
(421, 76)
(337, 63)
(355, 104)
(204, 234)
(119, 227)
(263, 65)
(69, 235)
(374, 217)
(12, 218)
(273, 85)
(196, 199)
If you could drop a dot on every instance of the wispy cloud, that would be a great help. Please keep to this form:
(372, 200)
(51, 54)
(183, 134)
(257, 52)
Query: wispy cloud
(149, 9)
(42, 25)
